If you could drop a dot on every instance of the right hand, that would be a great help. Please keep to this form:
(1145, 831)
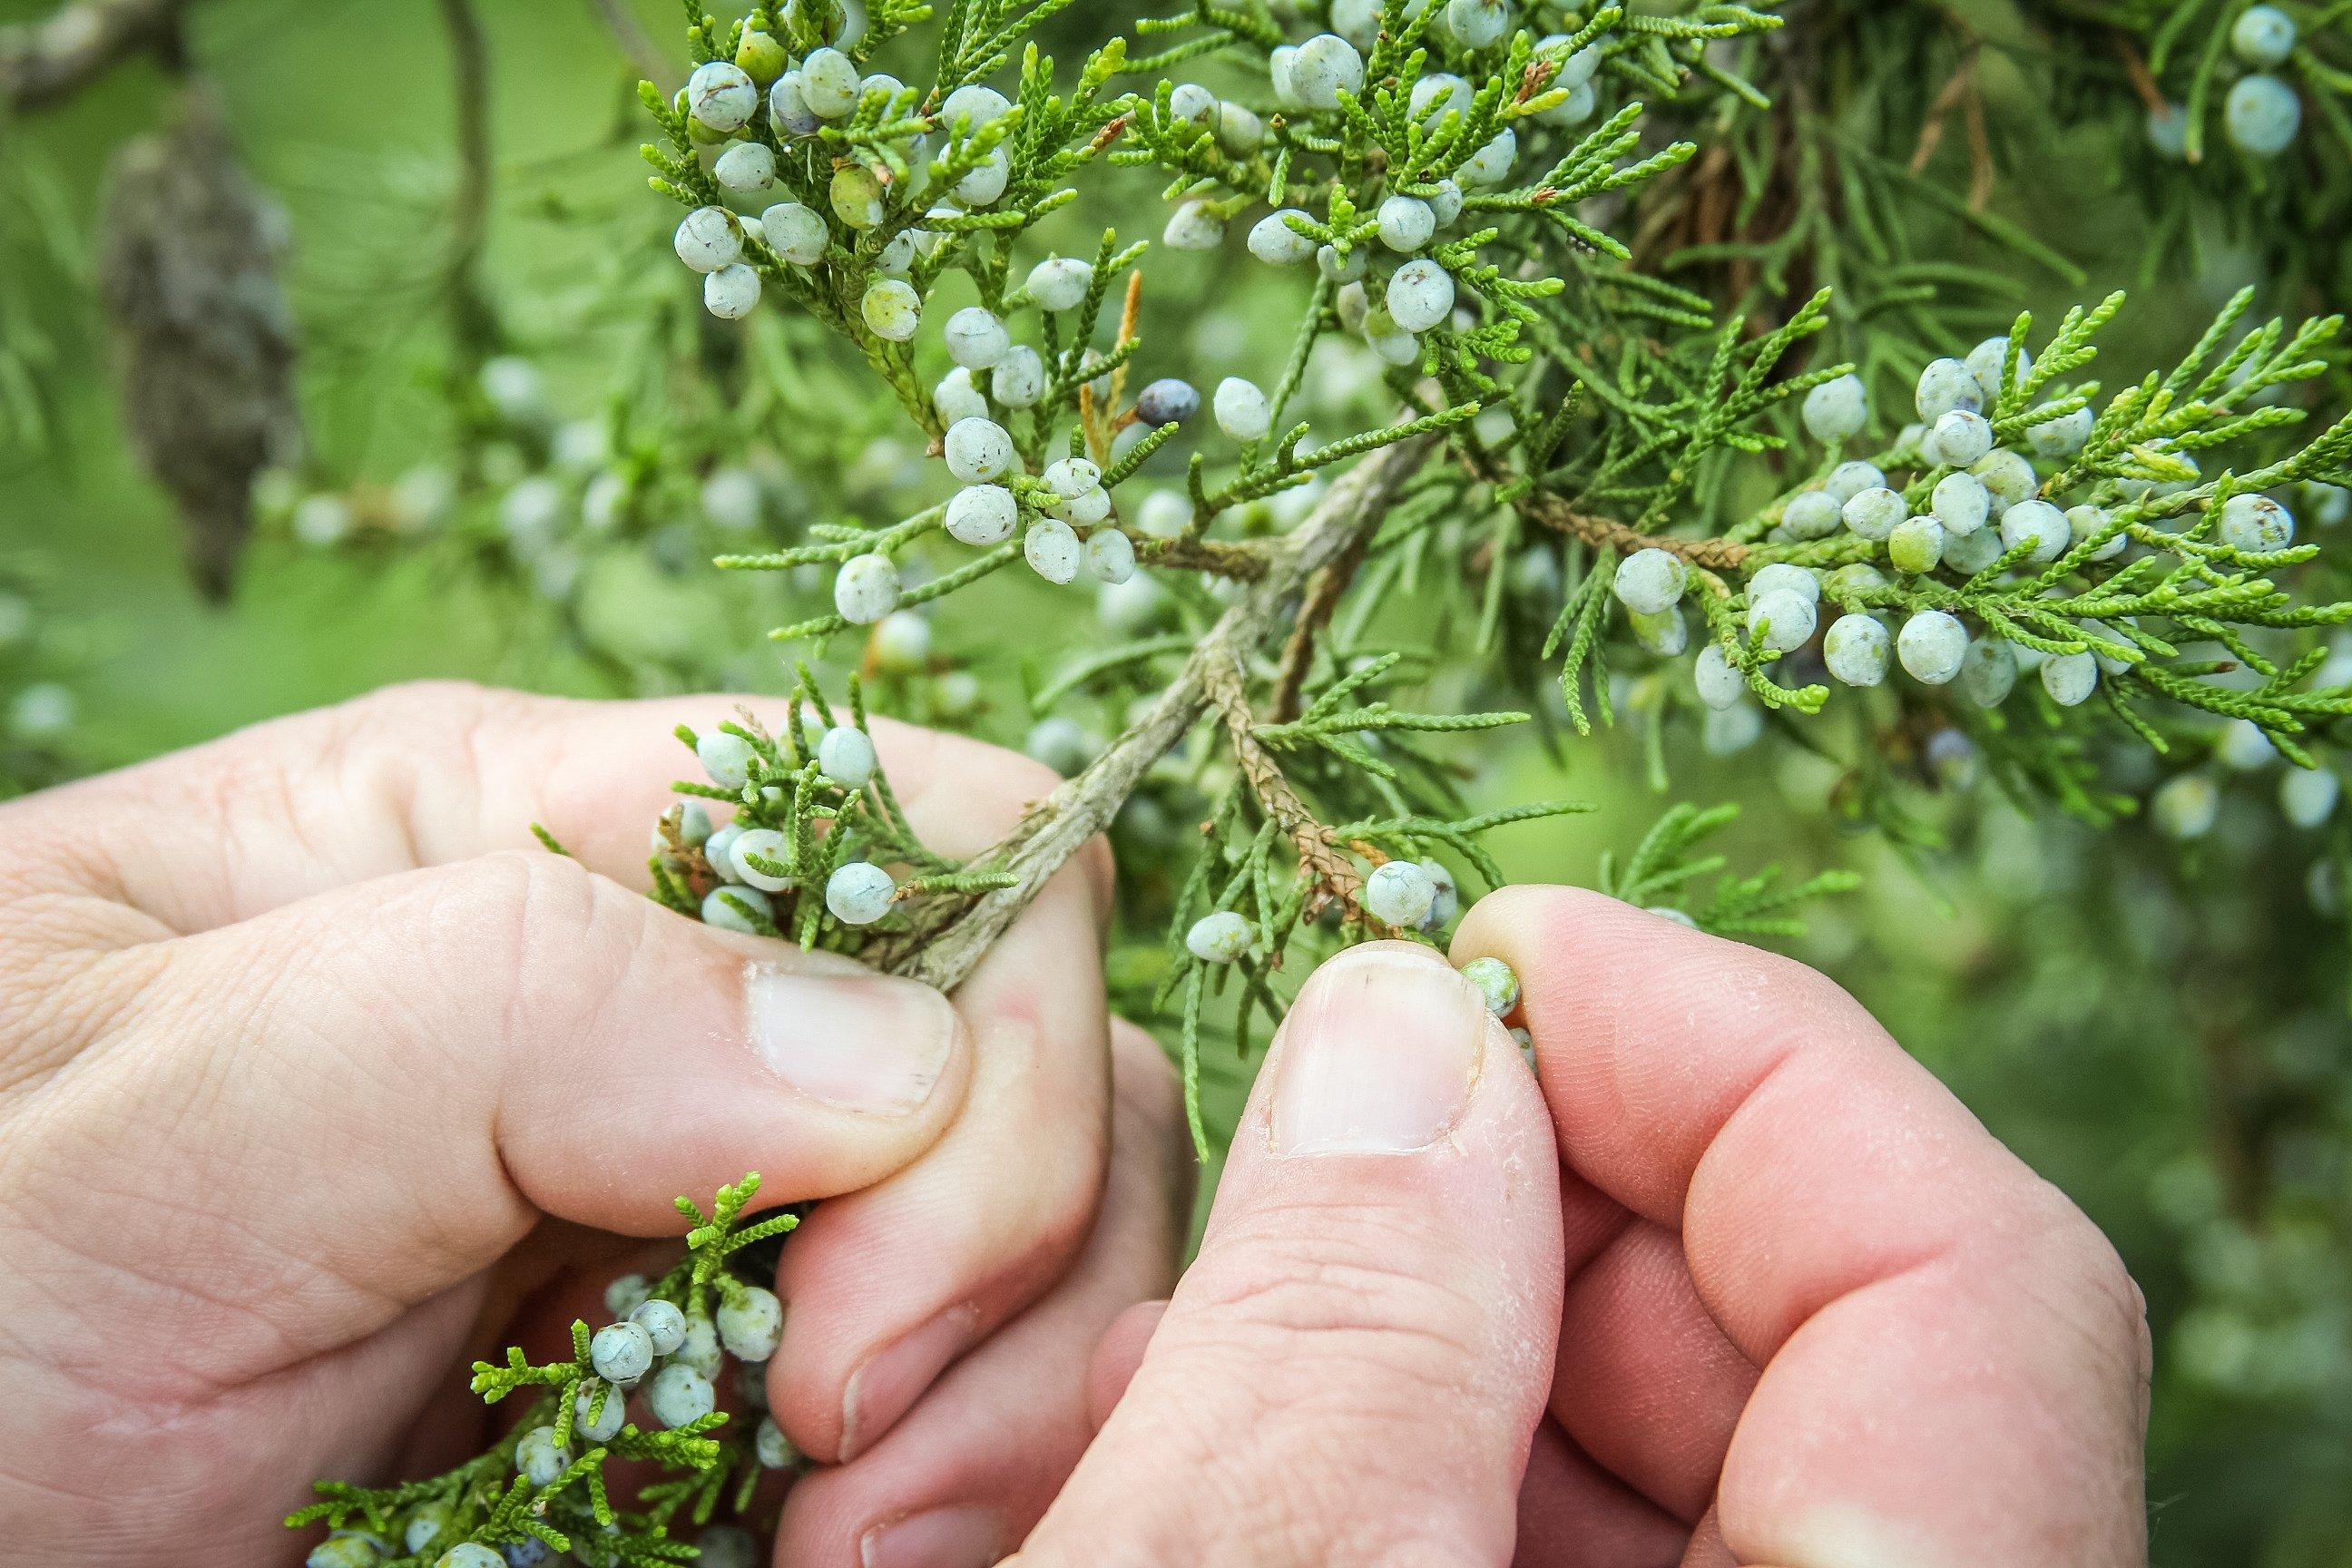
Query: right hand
(1809, 1314)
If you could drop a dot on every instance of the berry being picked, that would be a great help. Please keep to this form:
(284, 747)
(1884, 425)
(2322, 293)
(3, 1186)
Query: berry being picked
(749, 845)
(608, 1423)
(539, 1457)
(620, 1353)
(1944, 385)
(1325, 67)
(722, 95)
(796, 233)
(2262, 36)
(859, 893)
(680, 1395)
(1960, 503)
(1168, 401)
(1651, 580)
(1783, 620)
(1407, 222)
(2261, 115)
(1398, 893)
(2039, 524)
(774, 1449)
(1276, 243)
(1110, 555)
(1053, 551)
(1060, 282)
(751, 1321)
(2256, 524)
(1872, 513)
(978, 450)
(1857, 649)
(730, 292)
(867, 588)
(707, 238)
(1915, 545)
(1241, 410)
(1837, 409)
(1420, 295)
(1193, 225)
(1959, 438)
(1718, 683)
(845, 757)
(1219, 938)
(747, 168)
(726, 756)
(976, 340)
(892, 309)
(830, 83)
(1497, 981)
(1932, 646)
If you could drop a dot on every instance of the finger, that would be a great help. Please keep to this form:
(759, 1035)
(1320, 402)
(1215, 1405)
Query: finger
(1649, 1386)
(889, 1285)
(1118, 1354)
(1350, 1370)
(1574, 1514)
(426, 774)
(467, 1047)
(1953, 1357)
(973, 1464)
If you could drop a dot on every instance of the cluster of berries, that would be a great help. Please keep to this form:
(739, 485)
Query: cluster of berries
(750, 864)
(2260, 113)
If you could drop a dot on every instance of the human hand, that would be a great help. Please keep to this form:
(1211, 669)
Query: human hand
(1809, 1314)
(300, 1048)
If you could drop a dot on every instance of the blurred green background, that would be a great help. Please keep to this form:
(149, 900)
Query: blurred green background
(2161, 1031)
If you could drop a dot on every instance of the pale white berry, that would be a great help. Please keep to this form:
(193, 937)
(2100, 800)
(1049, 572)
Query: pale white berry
(1836, 409)
(2008, 477)
(1445, 202)
(1988, 672)
(2262, 36)
(1915, 545)
(1874, 512)
(1052, 550)
(2039, 524)
(1193, 225)
(794, 232)
(1784, 620)
(1727, 731)
(1780, 576)
(1239, 130)
(1810, 514)
(1018, 379)
(2084, 523)
(775, 1450)
(1060, 282)
(721, 95)
(1946, 384)
(1577, 69)
(978, 450)
(2307, 795)
(730, 292)
(1574, 110)
(845, 757)
(663, 1323)
(2063, 436)
(1665, 633)
(956, 397)
(726, 756)
(606, 1425)
(1491, 164)
(709, 238)
(982, 514)
(902, 642)
(1856, 649)
(1088, 508)
(976, 104)
(1398, 893)
(1325, 67)
(1436, 95)
(1988, 360)
(859, 893)
(1275, 242)
(2261, 115)
(620, 1353)
(1852, 581)
(752, 844)
(2185, 807)
(2256, 524)
(1718, 683)
(1193, 104)
(866, 589)
(1932, 646)
(1219, 938)
(1849, 479)
(751, 1321)
(1961, 503)
(1959, 438)
(724, 907)
(976, 340)
(892, 309)
(1497, 981)
(1241, 410)
(986, 180)
(680, 1395)
(747, 168)
(539, 1457)
(1110, 555)
(830, 83)
(2245, 747)
(1448, 902)
(1278, 71)
(1067, 477)
(1651, 580)
(1420, 295)
(2070, 677)
(1407, 222)
(788, 109)
(1479, 24)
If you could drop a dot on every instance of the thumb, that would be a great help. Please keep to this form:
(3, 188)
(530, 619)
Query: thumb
(1351, 1370)
(474, 1045)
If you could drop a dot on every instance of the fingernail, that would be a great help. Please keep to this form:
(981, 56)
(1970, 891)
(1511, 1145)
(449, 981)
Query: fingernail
(895, 1377)
(865, 1042)
(1376, 1057)
(943, 1537)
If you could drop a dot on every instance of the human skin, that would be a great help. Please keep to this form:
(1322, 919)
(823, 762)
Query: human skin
(318, 1082)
